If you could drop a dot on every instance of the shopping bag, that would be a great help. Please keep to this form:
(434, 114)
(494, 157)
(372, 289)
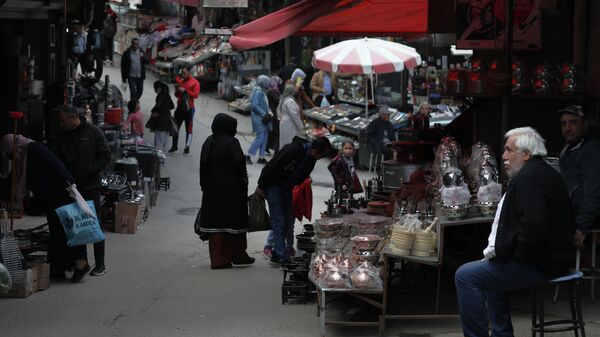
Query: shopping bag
(258, 217)
(80, 228)
(325, 102)
(173, 129)
(151, 123)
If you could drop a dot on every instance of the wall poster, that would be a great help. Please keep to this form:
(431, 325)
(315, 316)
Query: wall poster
(481, 24)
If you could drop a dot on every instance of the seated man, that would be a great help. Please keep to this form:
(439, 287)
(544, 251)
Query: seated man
(380, 132)
(530, 242)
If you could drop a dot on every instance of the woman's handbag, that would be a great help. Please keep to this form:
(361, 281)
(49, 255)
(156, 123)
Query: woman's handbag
(151, 123)
(267, 119)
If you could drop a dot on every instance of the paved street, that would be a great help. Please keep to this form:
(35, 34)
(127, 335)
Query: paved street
(159, 281)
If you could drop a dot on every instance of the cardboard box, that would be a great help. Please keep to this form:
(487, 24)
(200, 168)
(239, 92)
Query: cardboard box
(127, 217)
(44, 276)
(21, 290)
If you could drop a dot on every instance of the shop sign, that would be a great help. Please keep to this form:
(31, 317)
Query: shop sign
(225, 3)
(481, 24)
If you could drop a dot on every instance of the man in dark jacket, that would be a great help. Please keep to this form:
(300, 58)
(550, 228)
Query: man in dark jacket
(132, 69)
(380, 132)
(289, 167)
(85, 152)
(580, 168)
(532, 238)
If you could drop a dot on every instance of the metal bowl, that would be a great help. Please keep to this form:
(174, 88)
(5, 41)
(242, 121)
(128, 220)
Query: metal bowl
(455, 212)
(488, 208)
(329, 224)
(366, 242)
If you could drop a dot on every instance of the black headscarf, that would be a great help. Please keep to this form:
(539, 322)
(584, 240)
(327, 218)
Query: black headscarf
(224, 123)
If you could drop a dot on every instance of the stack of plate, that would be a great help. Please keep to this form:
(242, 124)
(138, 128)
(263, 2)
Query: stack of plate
(424, 243)
(401, 240)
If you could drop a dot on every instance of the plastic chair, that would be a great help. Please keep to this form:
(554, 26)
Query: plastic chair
(576, 323)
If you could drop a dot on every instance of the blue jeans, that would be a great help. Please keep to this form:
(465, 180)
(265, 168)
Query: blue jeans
(282, 218)
(490, 281)
(136, 87)
(289, 238)
(259, 144)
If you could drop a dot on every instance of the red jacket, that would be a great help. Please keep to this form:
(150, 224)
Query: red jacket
(302, 200)
(191, 85)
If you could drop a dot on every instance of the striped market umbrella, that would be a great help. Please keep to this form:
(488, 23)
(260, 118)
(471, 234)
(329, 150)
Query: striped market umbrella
(366, 56)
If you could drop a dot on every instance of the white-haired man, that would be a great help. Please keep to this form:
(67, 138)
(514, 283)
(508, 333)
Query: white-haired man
(530, 240)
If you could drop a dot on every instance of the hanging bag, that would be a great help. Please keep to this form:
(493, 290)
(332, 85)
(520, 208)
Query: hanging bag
(258, 217)
(80, 227)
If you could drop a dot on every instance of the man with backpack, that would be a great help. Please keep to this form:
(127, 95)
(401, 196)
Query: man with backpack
(187, 90)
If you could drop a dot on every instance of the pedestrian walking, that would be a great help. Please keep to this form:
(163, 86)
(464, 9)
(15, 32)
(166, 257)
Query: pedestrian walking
(160, 122)
(224, 182)
(273, 96)
(288, 112)
(187, 90)
(259, 112)
(133, 71)
(109, 29)
(85, 153)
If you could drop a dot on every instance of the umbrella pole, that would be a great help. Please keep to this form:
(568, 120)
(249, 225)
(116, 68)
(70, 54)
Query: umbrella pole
(366, 97)
(372, 89)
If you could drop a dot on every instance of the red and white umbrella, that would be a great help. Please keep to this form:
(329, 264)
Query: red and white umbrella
(366, 56)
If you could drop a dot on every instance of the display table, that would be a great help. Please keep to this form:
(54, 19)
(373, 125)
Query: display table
(390, 257)
(360, 294)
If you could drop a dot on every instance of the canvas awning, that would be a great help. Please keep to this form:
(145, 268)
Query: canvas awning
(335, 18)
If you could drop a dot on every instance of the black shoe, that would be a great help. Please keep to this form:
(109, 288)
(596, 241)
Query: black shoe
(245, 261)
(98, 270)
(275, 262)
(267, 151)
(79, 274)
(261, 161)
(186, 150)
(173, 149)
(225, 266)
(248, 160)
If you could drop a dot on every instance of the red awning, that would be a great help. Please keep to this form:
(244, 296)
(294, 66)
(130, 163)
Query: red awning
(280, 24)
(335, 18)
(373, 18)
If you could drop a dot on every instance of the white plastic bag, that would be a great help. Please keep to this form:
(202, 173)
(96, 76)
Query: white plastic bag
(455, 196)
(83, 205)
(325, 102)
(492, 192)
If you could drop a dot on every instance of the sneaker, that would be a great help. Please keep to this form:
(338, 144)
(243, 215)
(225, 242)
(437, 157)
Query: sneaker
(268, 252)
(98, 270)
(186, 150)
(275, 262)
(248, 160)
(79, 274)
(245, 261)
(261, 161)
(173, 149)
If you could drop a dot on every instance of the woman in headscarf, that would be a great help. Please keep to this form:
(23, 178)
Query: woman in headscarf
(297, 80)
(161, 115)
(273, 97)
(259, 112)
(39, 170)
(288, 112)
(224, 182)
